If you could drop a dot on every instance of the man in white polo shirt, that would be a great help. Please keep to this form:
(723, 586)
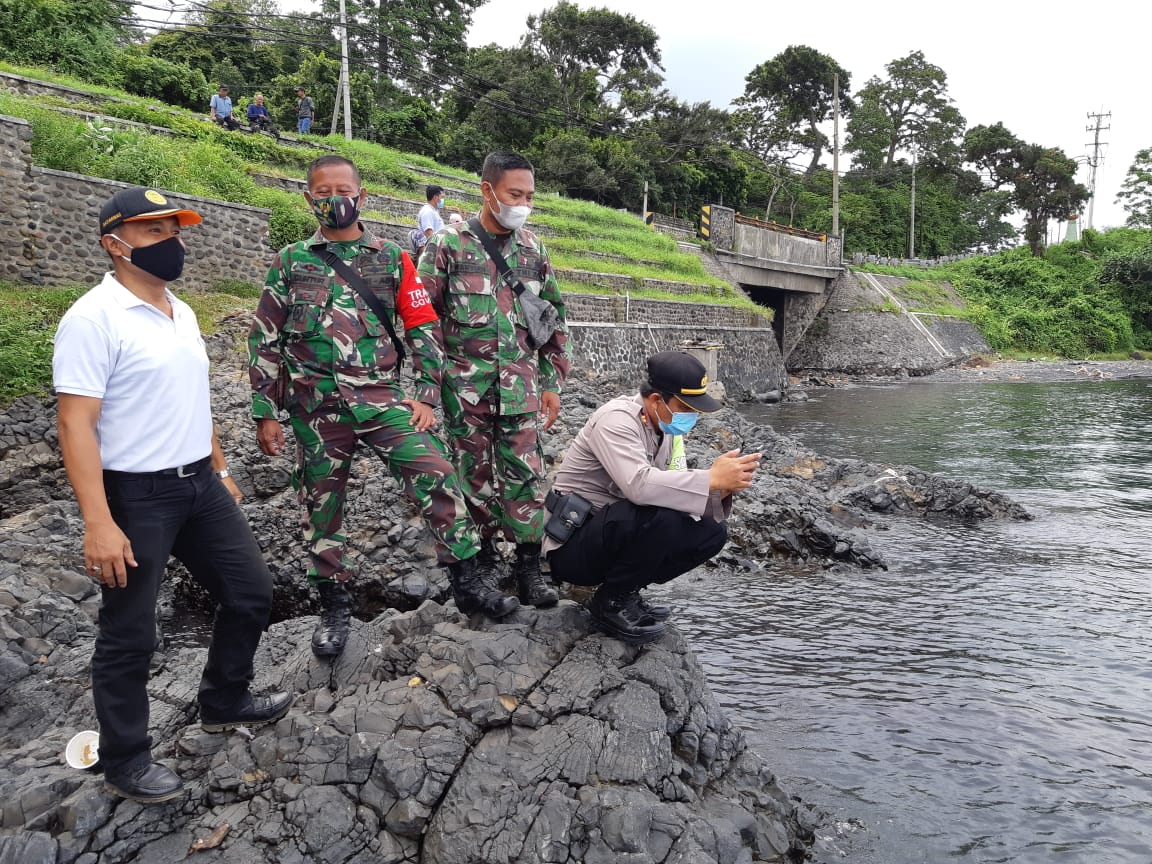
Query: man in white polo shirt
(135, 424)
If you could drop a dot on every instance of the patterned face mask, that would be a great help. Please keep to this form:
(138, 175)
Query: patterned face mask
(336, 211)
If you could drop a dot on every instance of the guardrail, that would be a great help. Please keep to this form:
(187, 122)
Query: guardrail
(783, 229)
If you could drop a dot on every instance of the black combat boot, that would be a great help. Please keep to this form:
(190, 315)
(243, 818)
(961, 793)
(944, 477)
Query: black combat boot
(331, 633)
(488, 561)
(619, 614)
(656, 611)
(535, 589)
(476, 592)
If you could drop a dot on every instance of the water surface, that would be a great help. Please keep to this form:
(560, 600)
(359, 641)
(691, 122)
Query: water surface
(986, 699)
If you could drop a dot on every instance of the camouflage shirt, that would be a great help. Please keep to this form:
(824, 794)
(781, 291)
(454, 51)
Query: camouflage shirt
(484, 334)
(314, 340)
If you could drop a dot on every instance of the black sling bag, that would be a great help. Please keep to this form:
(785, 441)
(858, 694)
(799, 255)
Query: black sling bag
(353, 278)
(540, 316)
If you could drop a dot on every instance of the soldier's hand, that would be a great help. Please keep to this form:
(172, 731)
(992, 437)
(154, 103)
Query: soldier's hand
(732, 472)
(549, 407)
(270, 437)
(422, 414)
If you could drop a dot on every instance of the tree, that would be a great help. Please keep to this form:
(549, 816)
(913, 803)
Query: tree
(787, 98)
(231, 42)
(600, 57)
(408, 41)
(1136, 191)
(911, 107)
(76, 37)
(1042, 180)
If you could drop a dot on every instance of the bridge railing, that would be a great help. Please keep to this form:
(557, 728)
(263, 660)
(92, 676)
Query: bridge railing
(783, 229)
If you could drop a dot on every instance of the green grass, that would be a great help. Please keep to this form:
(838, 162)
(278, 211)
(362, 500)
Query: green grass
(209, 162)
(734, 300)
(29, 315)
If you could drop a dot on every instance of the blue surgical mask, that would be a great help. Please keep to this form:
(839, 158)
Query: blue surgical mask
(682, 423)
(440, 204)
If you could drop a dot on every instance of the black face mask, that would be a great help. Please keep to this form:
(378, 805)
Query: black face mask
(164, 260)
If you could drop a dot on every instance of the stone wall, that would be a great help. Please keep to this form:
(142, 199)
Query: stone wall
(17, 242)
(622, 309)
(58, 240)
(748, 361)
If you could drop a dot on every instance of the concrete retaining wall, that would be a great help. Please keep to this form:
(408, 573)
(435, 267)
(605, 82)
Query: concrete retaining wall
(855, 334)
(747, 363)
(622, 309)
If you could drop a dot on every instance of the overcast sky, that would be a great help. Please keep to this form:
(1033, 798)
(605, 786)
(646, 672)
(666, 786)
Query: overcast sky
(1039, 68)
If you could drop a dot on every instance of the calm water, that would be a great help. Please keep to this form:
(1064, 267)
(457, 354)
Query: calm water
(989, 697)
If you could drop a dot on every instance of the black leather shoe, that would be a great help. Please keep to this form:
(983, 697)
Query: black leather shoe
(656, 611)
(534, 587)
(253, 711)
(331, 633)
(474, 593)
(149, 784)
(620, 615)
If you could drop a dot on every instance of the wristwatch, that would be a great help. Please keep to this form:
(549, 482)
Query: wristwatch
(224, 473)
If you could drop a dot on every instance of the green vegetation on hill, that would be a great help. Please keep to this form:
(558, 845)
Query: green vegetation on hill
(198, 158)
(1092, 298)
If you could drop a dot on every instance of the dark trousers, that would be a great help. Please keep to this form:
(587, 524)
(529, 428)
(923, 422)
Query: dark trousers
(196, 520)
(625, 547)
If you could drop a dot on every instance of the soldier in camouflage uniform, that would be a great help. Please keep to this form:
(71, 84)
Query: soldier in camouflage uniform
(497, 384)
(318, 351)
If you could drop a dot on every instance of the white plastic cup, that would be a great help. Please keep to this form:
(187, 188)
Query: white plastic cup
(83, 751)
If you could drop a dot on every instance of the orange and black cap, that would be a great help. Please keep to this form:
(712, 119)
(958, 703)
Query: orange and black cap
(137, 204)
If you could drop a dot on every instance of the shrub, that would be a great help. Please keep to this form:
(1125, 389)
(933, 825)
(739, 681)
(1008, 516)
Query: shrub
(174, 83)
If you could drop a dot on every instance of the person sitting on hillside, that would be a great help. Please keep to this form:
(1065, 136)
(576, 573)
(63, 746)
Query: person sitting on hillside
(258, 117)
(626, 512)
(220, 109)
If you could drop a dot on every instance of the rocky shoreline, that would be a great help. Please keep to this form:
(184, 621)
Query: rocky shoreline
(435, 738)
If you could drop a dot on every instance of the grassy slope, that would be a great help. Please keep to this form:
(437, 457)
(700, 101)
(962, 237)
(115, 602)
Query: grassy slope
(209, 162)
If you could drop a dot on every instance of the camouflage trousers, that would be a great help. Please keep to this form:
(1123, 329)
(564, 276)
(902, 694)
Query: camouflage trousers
(419, 461)
(501, 468)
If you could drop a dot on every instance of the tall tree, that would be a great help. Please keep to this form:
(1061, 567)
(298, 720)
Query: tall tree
(787, 98)
(408, 41)
(910, 107)
(1042, 180)
(601, 57)
(1136, 191)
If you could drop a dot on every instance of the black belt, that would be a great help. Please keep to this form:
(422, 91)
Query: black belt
(189, 470)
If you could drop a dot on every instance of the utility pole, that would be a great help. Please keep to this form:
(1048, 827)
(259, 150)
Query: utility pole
(644, 206)
(836, 155)
(344, 72)
(912, 221)
(1095, 159)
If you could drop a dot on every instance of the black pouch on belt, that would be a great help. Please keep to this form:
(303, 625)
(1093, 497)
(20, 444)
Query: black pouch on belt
(569, 512)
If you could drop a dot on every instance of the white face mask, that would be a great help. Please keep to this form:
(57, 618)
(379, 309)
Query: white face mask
(509, 216)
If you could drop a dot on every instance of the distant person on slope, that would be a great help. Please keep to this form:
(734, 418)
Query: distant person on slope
(220, 109)
(259, 120)
(305, 111)
(428, 220)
